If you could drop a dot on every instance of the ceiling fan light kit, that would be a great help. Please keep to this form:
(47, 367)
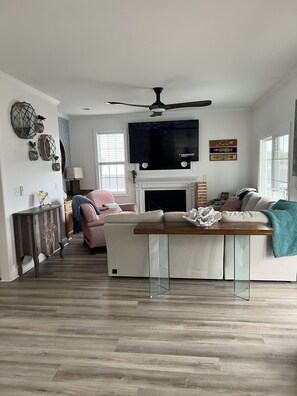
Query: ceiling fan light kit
(159, 107)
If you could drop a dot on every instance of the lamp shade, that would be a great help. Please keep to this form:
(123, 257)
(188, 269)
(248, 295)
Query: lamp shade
(75, 173)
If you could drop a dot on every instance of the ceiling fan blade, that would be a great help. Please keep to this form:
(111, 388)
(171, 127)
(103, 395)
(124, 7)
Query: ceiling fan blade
(127, 104)
(198, 103)
(158, 107)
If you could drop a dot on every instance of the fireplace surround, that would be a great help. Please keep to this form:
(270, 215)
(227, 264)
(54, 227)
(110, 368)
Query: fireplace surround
(186, 185)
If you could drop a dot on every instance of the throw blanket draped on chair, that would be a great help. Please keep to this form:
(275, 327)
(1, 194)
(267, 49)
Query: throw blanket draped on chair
(78, 200)
(283, 219)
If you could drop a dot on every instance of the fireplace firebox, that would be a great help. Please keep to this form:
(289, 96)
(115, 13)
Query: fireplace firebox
(167, 200)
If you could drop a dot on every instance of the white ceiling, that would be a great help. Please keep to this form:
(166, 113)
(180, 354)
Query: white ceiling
(84, 52)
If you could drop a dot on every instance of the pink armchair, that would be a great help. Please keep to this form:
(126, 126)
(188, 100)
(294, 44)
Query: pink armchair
(92, 224)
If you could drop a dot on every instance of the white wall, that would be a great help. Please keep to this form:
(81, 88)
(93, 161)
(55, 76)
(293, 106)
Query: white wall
(17, 170)
(214, 124)
(273, 114)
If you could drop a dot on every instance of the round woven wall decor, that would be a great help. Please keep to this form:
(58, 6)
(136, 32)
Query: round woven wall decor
(23, 117)
(47, 147)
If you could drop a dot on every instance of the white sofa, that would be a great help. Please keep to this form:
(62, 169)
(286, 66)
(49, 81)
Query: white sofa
(195, 257)
(191, 257)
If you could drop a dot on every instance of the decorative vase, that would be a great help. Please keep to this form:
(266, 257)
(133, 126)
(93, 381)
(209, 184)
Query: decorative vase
(33, 155)
(56, 166)
(39, 125)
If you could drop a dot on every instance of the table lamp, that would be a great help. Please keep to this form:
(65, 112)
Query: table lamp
(74, 174)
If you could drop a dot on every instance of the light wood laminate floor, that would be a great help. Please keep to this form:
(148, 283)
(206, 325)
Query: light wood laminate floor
(75, 331)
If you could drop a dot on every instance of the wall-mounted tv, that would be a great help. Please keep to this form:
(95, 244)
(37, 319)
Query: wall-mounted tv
(164, 144)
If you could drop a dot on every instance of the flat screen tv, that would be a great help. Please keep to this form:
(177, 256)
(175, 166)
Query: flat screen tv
(164, 144)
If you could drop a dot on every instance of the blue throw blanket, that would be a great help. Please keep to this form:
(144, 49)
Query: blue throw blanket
(283, 219)
(78, 200)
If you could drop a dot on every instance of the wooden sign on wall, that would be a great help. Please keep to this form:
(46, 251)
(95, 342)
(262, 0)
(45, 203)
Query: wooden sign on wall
(223, 150)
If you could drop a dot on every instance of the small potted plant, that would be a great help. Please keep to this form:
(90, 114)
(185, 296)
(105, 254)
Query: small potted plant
(33, 154)
(39, 126)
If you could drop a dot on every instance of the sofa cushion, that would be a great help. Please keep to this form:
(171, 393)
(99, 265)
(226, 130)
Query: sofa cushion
(250, 200)
(264, 204)
(246, 216)
(175, 217)
(232, 204)
(152, 216)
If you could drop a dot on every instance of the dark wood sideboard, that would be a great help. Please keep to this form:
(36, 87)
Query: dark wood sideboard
(36, 231)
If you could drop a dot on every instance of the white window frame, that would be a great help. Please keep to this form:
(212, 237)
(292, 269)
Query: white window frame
(97, 165)
(274, 195)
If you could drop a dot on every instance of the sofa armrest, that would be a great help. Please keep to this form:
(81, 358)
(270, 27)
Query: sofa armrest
(129, 207)
(88, 212)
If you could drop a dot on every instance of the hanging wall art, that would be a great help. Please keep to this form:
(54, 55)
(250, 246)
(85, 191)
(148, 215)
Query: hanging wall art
(47, 147)
(23, 117)
(223, 150)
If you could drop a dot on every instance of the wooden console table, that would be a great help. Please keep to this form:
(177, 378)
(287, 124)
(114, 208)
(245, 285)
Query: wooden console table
(37, 230)
(159, 265)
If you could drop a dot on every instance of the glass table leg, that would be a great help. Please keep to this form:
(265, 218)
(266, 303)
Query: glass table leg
(159, 274)
(242, 266)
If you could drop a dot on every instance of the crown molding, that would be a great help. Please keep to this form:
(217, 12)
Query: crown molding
(61, 115)
(27, 87)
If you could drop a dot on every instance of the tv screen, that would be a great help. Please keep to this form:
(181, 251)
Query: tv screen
(164, 142)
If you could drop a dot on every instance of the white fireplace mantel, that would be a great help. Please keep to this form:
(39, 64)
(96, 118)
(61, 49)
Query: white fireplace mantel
(188, 184)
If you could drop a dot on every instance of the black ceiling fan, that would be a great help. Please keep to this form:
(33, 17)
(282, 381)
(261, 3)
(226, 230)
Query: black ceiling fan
(158, 107)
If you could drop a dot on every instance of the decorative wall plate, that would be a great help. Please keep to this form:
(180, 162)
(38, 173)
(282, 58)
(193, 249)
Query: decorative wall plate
(23, 117)
(46, 147)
